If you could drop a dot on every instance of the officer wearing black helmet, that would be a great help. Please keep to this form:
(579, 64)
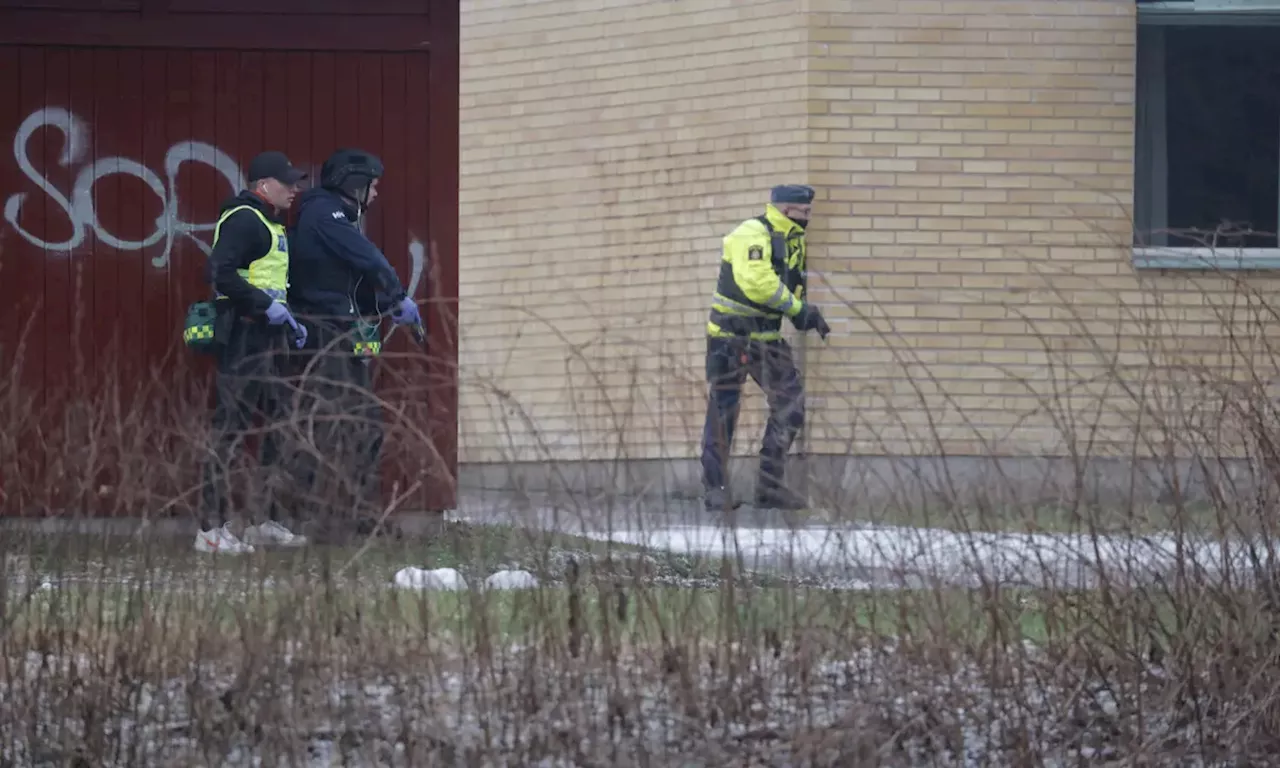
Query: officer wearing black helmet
(334, 257)
(342, 279)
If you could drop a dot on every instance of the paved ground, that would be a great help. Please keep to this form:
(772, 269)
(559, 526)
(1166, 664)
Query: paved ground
(849, 555)
(582, 513)
(876, 556)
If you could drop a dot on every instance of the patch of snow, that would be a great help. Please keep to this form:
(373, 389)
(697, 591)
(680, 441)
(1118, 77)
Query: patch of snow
(1049, 560)
(436, 578)
(511, 579)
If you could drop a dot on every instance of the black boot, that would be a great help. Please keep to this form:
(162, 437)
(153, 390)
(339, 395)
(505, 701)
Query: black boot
(366, 526)
(718, 500)
(770, 496)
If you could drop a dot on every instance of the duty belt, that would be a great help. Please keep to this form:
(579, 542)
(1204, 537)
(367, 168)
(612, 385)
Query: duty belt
(744, 326)
(276, 294)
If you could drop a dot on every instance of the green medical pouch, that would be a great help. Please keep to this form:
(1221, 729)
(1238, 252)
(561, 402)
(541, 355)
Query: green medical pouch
(368, 340)
(198, 330)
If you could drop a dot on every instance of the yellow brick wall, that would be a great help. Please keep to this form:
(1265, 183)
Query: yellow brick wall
(969, 151)
(974, 167)
(977, 160)
(604, 154)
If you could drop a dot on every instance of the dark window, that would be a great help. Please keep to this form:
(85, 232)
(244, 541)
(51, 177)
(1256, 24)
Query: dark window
(1208, 141)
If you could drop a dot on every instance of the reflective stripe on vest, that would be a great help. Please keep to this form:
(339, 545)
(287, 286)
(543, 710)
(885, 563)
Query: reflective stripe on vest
(269, 272)
(733, 314)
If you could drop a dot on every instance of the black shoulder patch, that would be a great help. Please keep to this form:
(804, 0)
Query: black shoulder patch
(755, 253)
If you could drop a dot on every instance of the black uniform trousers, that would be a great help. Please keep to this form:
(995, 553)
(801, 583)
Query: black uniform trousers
(771, 365)
(248, 386)
(342, 418)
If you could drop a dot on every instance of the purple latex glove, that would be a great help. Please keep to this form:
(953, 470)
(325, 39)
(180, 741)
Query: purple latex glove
(406, 313)
(279, 314)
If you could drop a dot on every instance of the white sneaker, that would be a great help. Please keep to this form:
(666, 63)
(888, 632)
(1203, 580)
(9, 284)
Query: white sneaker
(221, 541)
(273, 533)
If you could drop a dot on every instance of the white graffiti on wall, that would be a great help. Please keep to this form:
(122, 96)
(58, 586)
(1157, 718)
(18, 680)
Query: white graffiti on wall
(417, 262)
(80, 209)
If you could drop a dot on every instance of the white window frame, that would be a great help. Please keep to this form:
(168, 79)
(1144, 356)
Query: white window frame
(1151, 104)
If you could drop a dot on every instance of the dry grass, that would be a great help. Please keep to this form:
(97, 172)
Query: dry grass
(139, 653)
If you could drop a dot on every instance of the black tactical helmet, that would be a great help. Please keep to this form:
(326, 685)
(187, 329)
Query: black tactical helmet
(350, 171)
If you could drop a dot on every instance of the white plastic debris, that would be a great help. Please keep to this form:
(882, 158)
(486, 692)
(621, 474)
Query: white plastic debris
(511, 580)
(436, 578)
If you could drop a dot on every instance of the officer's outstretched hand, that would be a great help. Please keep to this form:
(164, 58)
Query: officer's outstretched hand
(810, 319)
(406, 312)
(279, 314)
(822, 328)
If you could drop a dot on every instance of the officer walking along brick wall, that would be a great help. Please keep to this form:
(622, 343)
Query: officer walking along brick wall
(249, 269)
(762, 278)
(344, 285)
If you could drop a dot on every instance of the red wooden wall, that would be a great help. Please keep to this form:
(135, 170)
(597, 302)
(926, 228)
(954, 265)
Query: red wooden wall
(125, 123)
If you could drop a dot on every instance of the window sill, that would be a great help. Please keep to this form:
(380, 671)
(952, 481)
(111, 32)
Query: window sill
(1208, 259)
(1184, 12)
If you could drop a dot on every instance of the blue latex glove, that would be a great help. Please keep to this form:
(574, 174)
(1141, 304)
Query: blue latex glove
(406, 313)
(279, 314)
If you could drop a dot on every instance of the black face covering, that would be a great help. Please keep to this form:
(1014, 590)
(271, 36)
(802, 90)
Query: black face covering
(804, 223)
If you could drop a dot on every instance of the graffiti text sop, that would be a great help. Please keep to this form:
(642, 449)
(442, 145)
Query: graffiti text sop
(79, 207)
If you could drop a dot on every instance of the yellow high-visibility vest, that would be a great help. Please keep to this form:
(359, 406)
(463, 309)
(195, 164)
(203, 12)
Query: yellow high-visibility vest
(269, 272)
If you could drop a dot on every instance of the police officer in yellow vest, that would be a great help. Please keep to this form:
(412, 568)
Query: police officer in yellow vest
(763, 276)
(249, 270)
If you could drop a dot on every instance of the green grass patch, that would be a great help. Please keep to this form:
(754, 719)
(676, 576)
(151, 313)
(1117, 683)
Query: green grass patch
(161, 594)
(474, 550)
(305, 609)
(452, 545)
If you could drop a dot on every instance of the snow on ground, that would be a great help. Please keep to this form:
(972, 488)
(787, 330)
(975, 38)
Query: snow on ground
(870, 704)
(1043, 560)
(875, 557)
(449, 579)
(412, 577)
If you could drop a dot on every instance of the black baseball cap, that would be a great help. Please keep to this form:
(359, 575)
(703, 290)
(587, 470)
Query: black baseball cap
(791, 193)
(274, 165)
